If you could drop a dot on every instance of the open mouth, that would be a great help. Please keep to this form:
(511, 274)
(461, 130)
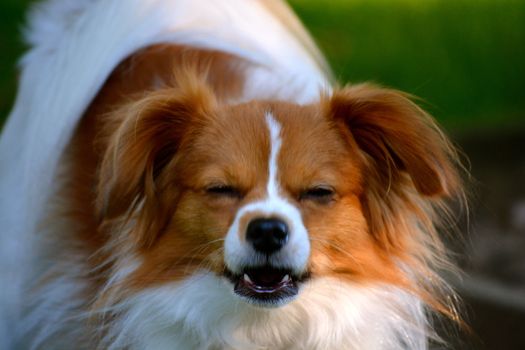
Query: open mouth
(266, 285)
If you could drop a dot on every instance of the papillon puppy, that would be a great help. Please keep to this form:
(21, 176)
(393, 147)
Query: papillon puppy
(184, 174)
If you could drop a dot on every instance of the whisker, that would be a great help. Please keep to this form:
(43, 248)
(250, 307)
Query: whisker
(339, 249)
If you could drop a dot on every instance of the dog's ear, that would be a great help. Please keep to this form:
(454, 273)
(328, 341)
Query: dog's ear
(396, 136)
(145, 136)
(405, 155)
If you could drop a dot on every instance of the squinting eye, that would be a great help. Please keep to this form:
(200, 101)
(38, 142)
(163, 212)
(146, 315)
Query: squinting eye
(320, 194)
(223, 191)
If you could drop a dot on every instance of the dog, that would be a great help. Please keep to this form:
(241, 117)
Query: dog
(185, 174)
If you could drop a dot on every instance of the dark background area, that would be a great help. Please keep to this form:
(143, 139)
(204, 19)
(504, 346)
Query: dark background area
(466, 60)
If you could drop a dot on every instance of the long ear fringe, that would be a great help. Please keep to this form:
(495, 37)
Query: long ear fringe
(412, 178)
(147, 133)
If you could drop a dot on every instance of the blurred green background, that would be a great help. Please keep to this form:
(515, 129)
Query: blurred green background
(11, 20)
(465, 58)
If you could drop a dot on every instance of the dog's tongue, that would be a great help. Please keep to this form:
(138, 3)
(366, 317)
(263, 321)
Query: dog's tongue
(266, 277)
(266, 284)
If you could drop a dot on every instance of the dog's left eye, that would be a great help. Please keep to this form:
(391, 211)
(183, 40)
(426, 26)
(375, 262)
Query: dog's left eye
(223, 191)
(322, 194)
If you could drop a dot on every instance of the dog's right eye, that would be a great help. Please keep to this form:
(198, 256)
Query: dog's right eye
(320, 194)
(223, 191)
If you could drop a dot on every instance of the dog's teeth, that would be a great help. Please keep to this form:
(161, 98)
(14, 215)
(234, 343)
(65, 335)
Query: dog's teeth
(286, 278)
(247, 278)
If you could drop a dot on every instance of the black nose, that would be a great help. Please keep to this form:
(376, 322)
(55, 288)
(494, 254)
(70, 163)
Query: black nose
(267, 235)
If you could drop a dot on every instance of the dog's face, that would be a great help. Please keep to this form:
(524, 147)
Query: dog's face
(267, 195)
(262, 186)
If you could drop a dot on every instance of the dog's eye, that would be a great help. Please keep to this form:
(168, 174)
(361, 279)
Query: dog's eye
(223, 191)
(321, 194)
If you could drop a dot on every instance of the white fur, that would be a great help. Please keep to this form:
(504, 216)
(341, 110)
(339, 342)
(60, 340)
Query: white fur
(294, 255)
(203, 313)
(274, 128)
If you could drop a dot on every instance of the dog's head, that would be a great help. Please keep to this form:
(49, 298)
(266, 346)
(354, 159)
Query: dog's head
(267, 195)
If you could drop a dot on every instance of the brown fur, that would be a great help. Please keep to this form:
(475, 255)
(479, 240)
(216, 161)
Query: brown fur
(145, 154)
(131, 80)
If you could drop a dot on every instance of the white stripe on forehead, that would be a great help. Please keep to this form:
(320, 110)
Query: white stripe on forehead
(275, 146)
(294, 255)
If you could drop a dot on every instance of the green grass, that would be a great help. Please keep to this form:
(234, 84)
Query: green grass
(465, 58)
